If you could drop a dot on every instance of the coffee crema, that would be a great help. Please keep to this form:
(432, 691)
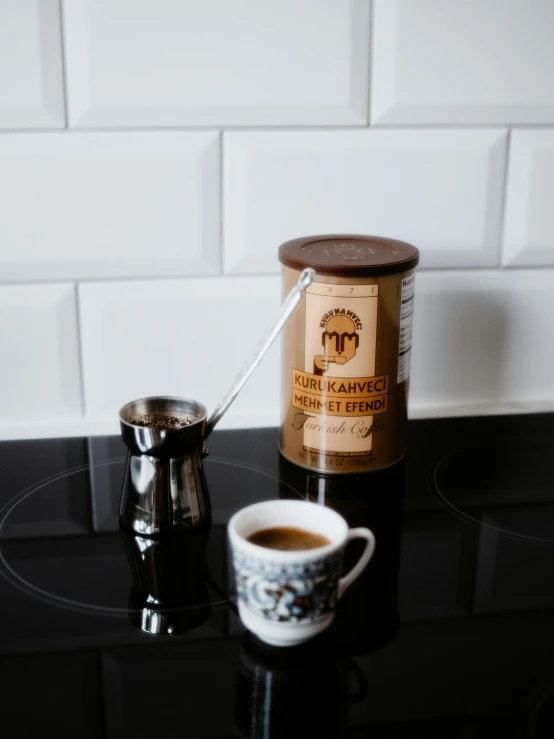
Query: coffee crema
(287, 539)
(161, 421)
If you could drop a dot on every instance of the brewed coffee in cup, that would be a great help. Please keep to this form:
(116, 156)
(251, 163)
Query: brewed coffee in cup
(287, 558)
(287, 539)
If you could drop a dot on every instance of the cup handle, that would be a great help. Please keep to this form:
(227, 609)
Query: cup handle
(359, 533)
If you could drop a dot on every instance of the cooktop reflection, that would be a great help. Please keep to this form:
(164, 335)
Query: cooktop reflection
(449, 633)
(162, 584)
(512, 472)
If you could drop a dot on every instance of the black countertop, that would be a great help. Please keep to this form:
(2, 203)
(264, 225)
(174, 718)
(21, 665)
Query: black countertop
(449, 632)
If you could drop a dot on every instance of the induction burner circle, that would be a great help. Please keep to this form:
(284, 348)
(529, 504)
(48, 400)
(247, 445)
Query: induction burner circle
(100, 569)
(496, 484)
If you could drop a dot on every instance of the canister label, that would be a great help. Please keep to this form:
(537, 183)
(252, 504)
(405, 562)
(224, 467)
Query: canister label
(337, 389)
(406, 320)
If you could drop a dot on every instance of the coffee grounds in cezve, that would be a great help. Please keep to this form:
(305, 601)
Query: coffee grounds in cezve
(161, 421)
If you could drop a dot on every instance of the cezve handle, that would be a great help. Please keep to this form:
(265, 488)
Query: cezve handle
(287, 309)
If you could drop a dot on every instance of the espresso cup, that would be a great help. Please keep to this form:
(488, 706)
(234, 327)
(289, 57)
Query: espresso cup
(288, 597)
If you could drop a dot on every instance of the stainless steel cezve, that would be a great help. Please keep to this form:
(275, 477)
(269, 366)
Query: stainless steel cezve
(164, 487)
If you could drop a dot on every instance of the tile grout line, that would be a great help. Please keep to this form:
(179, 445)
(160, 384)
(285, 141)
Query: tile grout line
(476, 551)
(102, 692)
(251, 275)
(80, 348)
(64, 66)
(293, 128)
(503, 205)
(92, 496)
(371, 60)
(221, 205)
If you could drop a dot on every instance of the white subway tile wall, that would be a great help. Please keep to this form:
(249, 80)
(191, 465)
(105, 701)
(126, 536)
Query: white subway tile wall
(442, 190)
(138, 260)
(31, 67)
(179, 337)
(529, 226)
(476, 61)
(94, 205)
(39, 371)
(483, 338)
(215, 62)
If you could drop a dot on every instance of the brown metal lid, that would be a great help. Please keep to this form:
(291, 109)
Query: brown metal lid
(346, 255)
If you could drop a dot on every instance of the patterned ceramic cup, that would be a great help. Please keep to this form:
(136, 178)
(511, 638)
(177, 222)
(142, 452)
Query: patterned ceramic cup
(287, 597)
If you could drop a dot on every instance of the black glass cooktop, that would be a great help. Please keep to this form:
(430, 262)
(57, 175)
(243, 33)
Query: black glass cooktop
(449, 632)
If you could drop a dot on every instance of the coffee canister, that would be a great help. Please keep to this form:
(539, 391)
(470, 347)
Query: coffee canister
(346, 352)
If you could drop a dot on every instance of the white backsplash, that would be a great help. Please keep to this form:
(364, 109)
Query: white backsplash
(441, 190)
(155, 153)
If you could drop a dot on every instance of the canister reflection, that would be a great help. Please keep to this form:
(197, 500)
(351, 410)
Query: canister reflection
(367, 617)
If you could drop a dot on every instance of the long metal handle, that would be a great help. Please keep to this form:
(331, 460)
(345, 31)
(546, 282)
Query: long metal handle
(287, 309)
